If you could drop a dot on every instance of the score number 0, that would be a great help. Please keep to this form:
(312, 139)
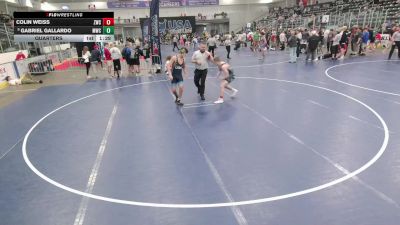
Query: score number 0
(108, 21)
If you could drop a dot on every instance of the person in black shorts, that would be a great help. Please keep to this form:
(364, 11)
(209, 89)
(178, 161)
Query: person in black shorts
(117, 67)
(395, 39)
(175, 41)
(371, 38)
(135, 56)
(212, 44)
(344, 41)
(200, 58)
(129, 50)
(146, 52)
(176, 69)
(136, 59)
(226, 76)
(116, 56)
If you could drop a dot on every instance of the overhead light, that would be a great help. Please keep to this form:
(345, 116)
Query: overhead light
(47, 7)
(65, 7)
(29, 3)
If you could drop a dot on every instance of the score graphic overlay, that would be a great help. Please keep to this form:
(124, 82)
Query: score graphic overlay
(63, 26)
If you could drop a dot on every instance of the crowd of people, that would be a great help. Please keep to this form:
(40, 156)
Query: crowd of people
(319, 43)
(111, 55)
(314, 43)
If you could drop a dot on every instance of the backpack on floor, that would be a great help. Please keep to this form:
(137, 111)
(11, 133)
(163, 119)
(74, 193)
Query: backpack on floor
(327, 56)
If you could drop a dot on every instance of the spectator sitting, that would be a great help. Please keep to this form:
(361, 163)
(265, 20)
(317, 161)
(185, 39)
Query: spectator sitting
(25, 79)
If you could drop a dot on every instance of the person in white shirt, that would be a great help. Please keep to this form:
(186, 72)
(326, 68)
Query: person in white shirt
(25, 79)
(212, 44)
(395, 39)
(200, 58)
(335, 44)
(86, 60)
(175, 41)
(116, 56)
(282, 40)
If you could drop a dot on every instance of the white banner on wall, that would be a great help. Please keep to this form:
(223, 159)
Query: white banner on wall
(7, 69)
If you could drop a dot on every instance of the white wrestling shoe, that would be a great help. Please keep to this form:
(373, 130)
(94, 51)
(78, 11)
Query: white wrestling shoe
(219, 101)
(234, 92)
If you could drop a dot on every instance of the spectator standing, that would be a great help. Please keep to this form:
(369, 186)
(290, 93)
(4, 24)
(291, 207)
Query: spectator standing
(364, 39)
(95, 58)
(227, 44)
(299, 36)
(329, 40)
(395, 42)
(20, 56)
(282, 40)
(116, 57)
(344, 41)
(175, 42)
(292, 44)
(313, 43)
(212, 44)
(335, 44)
(107, 57)
(86, 60)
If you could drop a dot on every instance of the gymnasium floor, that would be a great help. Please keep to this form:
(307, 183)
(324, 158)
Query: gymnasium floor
(306, 143)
